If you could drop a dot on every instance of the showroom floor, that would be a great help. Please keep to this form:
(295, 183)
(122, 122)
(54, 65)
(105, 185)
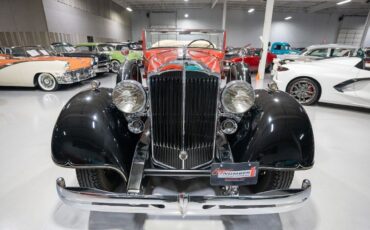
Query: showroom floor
(28, 198)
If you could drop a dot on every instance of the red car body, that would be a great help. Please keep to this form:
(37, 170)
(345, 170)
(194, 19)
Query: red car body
(249, 56)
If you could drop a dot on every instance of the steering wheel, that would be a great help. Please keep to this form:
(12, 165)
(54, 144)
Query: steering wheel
(210, 43)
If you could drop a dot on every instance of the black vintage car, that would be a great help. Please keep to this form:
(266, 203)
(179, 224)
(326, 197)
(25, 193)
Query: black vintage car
(148, 144)
(101, 60)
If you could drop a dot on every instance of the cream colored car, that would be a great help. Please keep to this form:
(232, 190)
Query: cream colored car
(34, 67)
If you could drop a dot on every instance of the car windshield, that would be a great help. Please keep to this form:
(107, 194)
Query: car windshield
(64, 48)
(29, 52)
(85, 49)
(105, 48)
(182, 38)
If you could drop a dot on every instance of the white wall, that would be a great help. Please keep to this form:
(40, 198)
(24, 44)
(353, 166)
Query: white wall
(243, 28)
(102, 19)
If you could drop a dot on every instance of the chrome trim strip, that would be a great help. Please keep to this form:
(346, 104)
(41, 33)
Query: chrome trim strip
(184, 204)
(183, 107)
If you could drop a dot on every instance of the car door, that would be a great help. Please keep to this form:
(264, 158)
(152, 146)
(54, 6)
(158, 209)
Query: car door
(251, 59)
(362, 84)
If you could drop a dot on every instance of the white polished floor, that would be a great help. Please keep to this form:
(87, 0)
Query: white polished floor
(28, 200)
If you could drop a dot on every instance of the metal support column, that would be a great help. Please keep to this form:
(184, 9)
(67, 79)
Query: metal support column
(366, 29)
(265, 37)
(224, 15)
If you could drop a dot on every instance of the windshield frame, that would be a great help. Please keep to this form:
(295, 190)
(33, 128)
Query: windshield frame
(184, 31)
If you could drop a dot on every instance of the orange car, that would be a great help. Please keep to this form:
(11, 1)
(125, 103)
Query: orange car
(34, 66)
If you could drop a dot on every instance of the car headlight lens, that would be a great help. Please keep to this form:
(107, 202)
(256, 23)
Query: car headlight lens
(237, 97)
(129, 96)
(96, 59)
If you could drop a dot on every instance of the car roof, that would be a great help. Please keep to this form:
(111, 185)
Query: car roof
(281, 43)
(340, 61)
(88, 44)
(332, 46)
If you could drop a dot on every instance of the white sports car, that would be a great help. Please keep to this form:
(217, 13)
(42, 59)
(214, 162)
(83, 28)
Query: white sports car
(344, 81)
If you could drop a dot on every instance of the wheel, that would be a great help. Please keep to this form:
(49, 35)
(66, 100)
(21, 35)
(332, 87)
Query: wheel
(272, 180)
(47, 82)
(104, 179)
(305, 90)
(115, 66)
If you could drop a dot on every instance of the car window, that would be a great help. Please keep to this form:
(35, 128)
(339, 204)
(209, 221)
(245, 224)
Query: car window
(104, 48)
(277, 47)
(318, 52)
(341, 52)
(19, 52)
(84, 48)
(120, 47)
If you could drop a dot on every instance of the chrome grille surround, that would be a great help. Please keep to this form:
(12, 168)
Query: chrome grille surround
(183, 113)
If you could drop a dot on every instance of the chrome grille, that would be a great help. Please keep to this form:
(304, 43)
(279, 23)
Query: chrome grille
(166, 93)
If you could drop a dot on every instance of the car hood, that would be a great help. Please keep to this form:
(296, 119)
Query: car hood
(159, 57)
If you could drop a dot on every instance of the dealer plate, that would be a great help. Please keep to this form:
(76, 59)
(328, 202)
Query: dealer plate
(245, 173)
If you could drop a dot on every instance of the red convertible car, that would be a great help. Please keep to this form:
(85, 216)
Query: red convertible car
(250, 56)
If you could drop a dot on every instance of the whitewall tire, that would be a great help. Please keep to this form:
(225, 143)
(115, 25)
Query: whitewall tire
(115, 65)
(47, 82)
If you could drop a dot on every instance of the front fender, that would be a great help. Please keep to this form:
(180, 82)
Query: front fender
(92, 132)
(277, 133)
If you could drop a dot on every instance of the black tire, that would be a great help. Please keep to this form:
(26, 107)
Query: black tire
(47, 82)
(115, 66)
(272, 180)
(305, 90)
(104, 179)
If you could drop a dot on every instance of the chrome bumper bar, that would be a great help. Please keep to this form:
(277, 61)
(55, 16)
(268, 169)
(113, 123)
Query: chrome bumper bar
(184, 204)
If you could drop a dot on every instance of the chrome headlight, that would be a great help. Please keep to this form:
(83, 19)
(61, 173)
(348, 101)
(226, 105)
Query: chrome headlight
(96, 59)
(129, 96)
(237, 97)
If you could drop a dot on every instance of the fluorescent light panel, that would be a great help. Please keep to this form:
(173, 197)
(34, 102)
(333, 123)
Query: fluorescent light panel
(128, 9)
(251, 10)
(288, 18)
(344, 2)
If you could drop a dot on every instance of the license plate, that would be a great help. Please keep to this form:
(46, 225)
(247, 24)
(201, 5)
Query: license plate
(245, 173)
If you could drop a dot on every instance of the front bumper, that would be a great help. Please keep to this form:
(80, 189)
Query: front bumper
(184, 204)
(75, 76)
(102, 68)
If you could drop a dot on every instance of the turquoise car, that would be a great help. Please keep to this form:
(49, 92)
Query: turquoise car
(281, 48)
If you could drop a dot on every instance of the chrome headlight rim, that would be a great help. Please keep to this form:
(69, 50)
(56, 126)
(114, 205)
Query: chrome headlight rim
(230, 84)
(138, 86)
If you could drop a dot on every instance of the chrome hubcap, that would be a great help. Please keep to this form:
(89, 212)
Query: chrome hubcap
(303, 91)
(47, 82)
(115, 66)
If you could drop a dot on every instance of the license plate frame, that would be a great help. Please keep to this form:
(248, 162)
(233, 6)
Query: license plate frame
(234, 174)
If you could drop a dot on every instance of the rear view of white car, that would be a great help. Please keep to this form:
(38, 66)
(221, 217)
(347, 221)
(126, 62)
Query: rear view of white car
(344, 81)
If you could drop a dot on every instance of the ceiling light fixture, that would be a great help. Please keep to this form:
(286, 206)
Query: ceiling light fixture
(186, 15)
(128, 9)
(288, 18)
(251, 10)
(343, 2)
(186, 0)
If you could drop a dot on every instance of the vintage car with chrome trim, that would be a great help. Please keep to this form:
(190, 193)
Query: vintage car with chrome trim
(183, 138)
(102, 61)
(33, 66)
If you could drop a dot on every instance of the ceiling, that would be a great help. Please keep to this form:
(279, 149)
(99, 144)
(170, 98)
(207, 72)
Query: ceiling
(355, 7)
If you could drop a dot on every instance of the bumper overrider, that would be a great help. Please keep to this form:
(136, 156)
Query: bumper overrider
(184, 204)
(71, 77)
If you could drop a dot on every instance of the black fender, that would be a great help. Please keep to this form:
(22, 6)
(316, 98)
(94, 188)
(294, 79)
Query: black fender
(129, 70)
(276, 132)
(91, 132)
(239, 71)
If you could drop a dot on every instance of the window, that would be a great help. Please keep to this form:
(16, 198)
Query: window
(84, 48)
(318, 52)
(19, 52)
(341, 52)
(278, 47)
(103, 48)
